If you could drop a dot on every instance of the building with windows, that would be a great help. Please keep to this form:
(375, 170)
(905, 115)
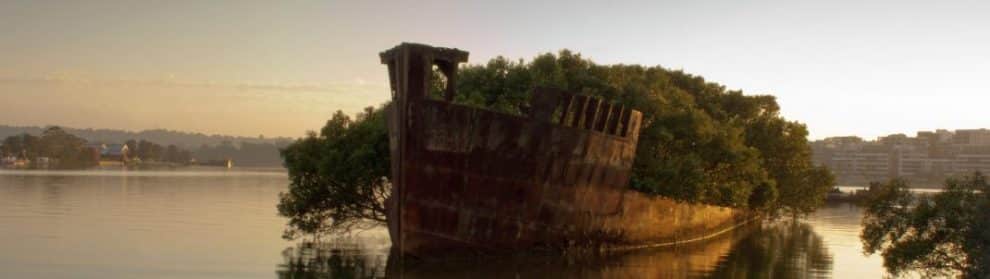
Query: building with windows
(925, 159)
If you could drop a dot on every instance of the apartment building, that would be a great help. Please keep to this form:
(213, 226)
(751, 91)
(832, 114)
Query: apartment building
(927, 158)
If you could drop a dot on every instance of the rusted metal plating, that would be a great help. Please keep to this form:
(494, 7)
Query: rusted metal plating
(470, 180)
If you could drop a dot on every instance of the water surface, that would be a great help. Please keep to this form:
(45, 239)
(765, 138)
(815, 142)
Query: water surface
(223, 224)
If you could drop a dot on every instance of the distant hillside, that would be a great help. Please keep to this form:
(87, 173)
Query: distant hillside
(185, 140)
(245, 151)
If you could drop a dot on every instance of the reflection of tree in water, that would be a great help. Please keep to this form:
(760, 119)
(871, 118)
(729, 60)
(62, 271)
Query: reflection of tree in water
(348, 259)
(789, 249)
(786, 249)
(332, 260)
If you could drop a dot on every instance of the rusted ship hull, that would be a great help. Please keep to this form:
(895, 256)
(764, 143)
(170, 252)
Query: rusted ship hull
(469, 180)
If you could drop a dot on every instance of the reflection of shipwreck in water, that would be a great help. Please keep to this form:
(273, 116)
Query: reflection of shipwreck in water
(723, 256)
(469, 180)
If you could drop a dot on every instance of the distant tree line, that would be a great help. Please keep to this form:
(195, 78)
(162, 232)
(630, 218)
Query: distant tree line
(63, 150)
(700, 142)
(243, 154)
(68, 151)
(174, 146)
(185, 140)
(150, 151)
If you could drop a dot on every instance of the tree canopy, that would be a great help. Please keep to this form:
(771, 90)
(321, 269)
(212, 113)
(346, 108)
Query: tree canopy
(699, 142)
(338, 177)
(66, 151)
(938, 235)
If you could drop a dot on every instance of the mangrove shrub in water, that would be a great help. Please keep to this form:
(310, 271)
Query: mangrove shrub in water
(337, 177)
(938, 235)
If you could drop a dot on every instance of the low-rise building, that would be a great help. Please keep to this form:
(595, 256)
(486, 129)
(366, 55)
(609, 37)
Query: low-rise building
(115, 152)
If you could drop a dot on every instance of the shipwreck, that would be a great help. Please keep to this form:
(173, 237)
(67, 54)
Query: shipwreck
(468, 180)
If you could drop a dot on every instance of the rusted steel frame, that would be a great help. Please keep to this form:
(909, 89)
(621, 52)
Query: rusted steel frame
(459, 170)
(577, 110)
(624, 124)
(591, 113)
(565, 108)
(410, 70)
(615, 115)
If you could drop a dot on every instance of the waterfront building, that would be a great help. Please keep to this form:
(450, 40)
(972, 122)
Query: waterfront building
(925, 159)
(114, 155)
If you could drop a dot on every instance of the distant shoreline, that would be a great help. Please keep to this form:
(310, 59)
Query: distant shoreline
(157, 168)
(186, 171)
(913, 186)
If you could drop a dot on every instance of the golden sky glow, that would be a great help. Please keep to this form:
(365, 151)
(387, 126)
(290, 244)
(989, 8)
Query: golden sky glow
(280, 68)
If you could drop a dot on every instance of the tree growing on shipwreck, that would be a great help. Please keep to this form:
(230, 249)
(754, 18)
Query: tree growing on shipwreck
(699, 143)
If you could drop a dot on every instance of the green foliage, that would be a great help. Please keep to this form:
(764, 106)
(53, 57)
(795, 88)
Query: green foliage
(21, 146)
(501, 85)
(939, 235)
(338, 178)
(699, 143)
(175, 154)
(68, 151)
(64, 150)
(150, 151)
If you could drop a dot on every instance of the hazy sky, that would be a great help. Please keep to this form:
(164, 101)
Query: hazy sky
(280, 68)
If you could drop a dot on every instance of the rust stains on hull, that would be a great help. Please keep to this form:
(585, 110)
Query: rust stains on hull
(469, 180)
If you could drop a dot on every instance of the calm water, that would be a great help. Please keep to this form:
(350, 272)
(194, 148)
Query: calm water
(205, 224)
